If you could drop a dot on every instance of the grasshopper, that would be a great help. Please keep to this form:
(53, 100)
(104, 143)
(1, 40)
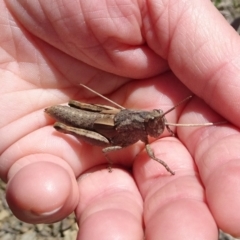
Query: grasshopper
(113, 128)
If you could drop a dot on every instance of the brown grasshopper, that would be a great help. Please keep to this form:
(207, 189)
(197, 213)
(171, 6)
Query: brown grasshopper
(112, 128)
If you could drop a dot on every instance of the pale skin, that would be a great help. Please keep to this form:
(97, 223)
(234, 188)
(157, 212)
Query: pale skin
(143, 55)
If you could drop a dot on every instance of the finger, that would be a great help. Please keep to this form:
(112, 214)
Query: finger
(42, 169)
(201, 48)
(174, 205)
(117, 48)
(36, 167)
(109, 206)
(41, 189)
(216, 152)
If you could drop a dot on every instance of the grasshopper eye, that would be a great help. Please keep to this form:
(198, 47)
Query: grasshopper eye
(156, 124)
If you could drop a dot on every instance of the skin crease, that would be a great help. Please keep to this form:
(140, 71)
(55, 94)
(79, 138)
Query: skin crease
(143, 55)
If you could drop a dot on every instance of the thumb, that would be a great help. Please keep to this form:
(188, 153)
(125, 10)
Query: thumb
(202, 50)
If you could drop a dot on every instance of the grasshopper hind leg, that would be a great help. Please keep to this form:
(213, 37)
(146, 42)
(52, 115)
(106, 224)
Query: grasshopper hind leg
(82, 134)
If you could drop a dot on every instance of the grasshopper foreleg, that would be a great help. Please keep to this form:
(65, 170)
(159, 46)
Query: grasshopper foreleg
(152, 155)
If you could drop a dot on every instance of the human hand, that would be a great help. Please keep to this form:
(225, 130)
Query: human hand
(139, 54)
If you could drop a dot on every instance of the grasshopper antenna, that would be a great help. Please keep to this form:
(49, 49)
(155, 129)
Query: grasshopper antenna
(194, 124)
(100, 95)
(189, 124)
(184, 100)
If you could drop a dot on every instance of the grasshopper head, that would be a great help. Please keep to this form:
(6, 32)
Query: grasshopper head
(156, 123)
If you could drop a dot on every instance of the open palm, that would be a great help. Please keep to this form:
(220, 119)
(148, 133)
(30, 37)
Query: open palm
(135, 54)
